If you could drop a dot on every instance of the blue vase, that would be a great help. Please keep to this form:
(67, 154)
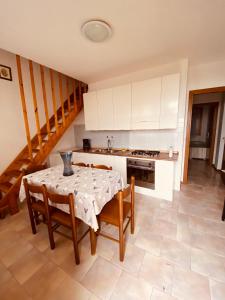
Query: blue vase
(67, 157)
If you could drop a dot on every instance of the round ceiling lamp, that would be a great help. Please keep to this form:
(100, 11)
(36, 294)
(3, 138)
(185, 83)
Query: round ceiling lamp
(96, 31)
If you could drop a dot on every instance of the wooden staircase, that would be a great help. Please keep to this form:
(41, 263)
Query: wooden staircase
(39, 147)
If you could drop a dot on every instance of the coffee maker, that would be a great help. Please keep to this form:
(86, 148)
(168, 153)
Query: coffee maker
(86, 144)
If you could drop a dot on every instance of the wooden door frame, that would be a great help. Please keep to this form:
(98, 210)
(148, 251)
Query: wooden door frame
(188, 123)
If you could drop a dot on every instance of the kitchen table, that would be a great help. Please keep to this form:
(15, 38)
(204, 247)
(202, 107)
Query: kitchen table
(92, 189)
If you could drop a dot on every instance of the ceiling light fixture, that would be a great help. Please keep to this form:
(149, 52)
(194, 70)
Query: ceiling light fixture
(96, 30)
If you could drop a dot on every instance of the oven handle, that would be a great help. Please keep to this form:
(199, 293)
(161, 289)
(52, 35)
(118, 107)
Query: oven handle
(141, 167)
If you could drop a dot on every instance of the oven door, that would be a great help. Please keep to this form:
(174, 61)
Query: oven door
(143, 171)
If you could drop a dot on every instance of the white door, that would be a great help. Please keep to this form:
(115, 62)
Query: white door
(122, 107)
(169, 101)
(91, 111)
(146, 104)
(105, 109)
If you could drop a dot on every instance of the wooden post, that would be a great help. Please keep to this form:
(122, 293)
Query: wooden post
(23, 101)
(54, 99)
(45, 99)
(61, 97)
(67, 93)
(35, 104)
(80, 96)
(74, 96)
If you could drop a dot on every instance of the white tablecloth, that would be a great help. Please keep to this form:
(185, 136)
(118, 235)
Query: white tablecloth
(92, 188)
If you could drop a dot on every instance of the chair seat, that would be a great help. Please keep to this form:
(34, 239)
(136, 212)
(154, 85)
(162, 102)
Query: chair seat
(110, 212)
(62, 218)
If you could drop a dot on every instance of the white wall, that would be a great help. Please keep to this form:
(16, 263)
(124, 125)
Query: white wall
(12, 132)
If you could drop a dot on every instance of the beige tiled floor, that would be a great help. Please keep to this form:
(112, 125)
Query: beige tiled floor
(176, 253)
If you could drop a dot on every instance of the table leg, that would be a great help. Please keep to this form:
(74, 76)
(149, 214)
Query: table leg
(93, 241)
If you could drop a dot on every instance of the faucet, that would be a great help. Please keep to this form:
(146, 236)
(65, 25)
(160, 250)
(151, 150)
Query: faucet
(109, 143)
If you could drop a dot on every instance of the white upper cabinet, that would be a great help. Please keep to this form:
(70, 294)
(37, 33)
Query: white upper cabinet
(146, 104)
(91, 111)
(122, 107)
(169, 101)
(105, 109)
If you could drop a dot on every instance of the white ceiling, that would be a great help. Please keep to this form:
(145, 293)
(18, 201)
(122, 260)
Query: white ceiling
(145, 33)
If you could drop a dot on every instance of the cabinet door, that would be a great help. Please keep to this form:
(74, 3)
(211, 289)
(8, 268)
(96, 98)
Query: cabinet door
(169, 101)
(146, 104)
(122, 107)
(105, 109)
(91, 111)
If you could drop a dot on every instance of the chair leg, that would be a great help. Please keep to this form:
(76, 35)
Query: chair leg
(93, 241)
(75, 246)
(31, 215)
(121, 243)
(132, 223)
(51, 236)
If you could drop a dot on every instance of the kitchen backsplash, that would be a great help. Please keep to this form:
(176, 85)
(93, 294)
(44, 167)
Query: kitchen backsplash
(146, 139)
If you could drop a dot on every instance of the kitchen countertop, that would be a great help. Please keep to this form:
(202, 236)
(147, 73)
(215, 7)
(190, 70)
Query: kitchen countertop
(127, 153)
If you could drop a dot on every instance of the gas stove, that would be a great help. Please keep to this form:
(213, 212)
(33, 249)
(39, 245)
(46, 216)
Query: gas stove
(145, 153)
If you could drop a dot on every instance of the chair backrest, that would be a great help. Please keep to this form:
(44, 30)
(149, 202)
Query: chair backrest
(60, 199)
(127, 191)
(102, 167)
(81, 164)
(34, 189)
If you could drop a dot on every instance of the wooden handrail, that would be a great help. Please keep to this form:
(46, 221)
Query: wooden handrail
(35, 104)
(23, 101)
(75, 96)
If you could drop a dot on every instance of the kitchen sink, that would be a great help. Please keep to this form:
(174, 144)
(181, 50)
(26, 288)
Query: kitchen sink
(104, 151)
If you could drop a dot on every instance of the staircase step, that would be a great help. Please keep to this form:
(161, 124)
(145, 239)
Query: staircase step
(5, 186)
(13, 173)
(35, 150)
(24, 160)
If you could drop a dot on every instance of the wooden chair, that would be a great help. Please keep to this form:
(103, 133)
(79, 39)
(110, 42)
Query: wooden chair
(116, 211)
(103, 167)
(68, 220)
(81, 164)
(35, 207)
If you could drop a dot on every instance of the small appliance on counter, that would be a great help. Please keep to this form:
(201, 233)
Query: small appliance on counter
(86, 144)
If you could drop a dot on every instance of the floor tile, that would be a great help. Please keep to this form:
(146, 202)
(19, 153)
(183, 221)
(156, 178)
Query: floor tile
(177, 252)
(158, 295)
(209, 243)
(148, 241)
(25, 267)
(105, 274)
(44, 281)
(217, 290)
(190, 285)
(129, 287)
(207, 264)
(11, 289)
(132, 261)
(158, 272)
(77, 272)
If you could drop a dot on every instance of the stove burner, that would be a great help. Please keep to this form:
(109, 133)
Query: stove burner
(149, 153)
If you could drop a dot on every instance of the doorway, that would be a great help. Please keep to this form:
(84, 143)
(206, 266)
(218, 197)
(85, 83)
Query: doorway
(203, 122)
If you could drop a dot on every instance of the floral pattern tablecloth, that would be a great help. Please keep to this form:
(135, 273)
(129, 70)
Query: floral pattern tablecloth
(92, 189)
